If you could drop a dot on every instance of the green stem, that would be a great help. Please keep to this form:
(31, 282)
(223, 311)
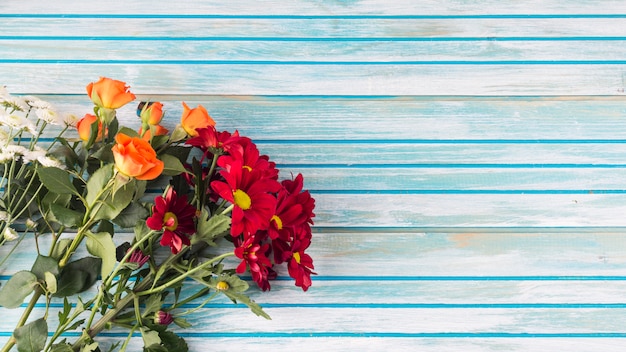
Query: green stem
(185, 275)
(33, 300)
(109, 279)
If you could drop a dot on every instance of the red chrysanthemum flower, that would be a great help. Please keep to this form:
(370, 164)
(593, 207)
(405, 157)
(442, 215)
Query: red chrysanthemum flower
(251, 194)
(210, 140)
(288, 214)
(175, 217)
(253, 256)
(300, 265)
(251, 159)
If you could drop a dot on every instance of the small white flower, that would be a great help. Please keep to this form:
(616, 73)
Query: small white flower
(71, 120)
(30, 223)
(5, 158)
(36, 102)
(50, 116)
(17, 121)
(4, 137)
(15, 150)
(4, 216)
(10, 234)
(50, 162)
(32, 155)
(12, 103)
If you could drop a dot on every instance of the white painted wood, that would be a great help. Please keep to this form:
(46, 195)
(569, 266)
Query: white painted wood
(467, 158)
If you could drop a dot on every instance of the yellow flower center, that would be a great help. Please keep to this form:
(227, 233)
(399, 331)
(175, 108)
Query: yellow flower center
(296, 256)
(242, 199)
(278, 221)
(170, 221)
(247, 167)
(222, 286)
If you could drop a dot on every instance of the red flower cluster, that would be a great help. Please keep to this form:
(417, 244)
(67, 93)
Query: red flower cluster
(268, 215)
(270, 220)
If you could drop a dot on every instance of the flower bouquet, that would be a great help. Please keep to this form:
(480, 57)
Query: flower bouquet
(221, 210)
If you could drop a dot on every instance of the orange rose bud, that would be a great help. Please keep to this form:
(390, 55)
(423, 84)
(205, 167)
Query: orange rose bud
(195, 118)
(84, 127)
(158, 131)
(153, 114)
(134, 157)
(109, 93)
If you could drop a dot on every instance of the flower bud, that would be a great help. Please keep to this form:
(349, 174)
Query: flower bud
(9, 234)
(163, 318)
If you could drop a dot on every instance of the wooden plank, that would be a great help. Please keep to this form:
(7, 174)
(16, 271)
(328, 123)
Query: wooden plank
(412, 124)
(333, 8)
(142, 26)
(404, 255)
(374, 50)
(323, 79)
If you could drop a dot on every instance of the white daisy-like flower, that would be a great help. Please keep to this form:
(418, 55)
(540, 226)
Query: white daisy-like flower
(10, 234)
(31, 224)
(50, 116)
(18, 121)
(12, 103)
(71, 120)
(15, 150)
(4, 137)
(5, 157)
(32, 155)
(50, 162)
(36, 102)
(4, 216)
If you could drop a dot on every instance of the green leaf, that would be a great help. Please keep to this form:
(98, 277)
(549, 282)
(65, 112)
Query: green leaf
(90, 347)
(77, 276)
(56, 180)
(61, 246)
(96, 183)
(131, 215)
(173, 342)
(32, 336)
(128, 131)
(115, 202)
(43, 265)
(150, 337)
(153, 304)
(183, 323)
(66, 217)
(173, 165)
(61, 347)
(20, 285)
(254, 307)
(101, 245)
(210, 228)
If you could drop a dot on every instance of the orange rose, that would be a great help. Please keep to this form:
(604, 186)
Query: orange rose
(135, 157)
(109, 93)
(158, 131)
(195, 118)
(153, 114)
(84, 127)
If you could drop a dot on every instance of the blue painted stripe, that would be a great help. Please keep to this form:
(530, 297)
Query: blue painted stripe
(309, 39)
(308, 17)
(308, 141)
(398, 305)
(451, 165)
(332, 278)
(364, 334)
(463, 191)
(311, 63)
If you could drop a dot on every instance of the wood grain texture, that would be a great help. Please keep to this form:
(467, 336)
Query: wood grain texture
(467, 157)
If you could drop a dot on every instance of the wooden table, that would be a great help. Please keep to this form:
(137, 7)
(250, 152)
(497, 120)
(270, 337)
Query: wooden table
(468, 158)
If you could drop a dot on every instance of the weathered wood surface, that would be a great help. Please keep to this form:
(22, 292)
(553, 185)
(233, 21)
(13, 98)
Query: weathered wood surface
(467, 157)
